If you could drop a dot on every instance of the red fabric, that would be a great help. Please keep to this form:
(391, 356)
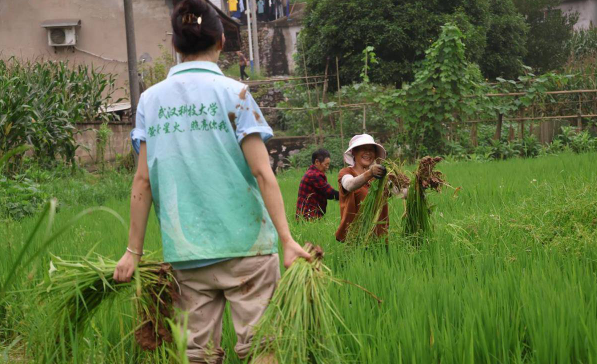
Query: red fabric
(314, 191)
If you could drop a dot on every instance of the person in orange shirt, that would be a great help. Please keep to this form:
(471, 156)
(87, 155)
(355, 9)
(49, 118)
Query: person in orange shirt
(354, 181)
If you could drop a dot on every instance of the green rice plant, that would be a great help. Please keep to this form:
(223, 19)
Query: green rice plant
(73, 290)
(486, 288)
(417, 215)
(301, 322)
(178, 353)
(49, 237)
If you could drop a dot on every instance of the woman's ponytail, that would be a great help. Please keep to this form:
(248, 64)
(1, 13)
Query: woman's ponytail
(196, 26)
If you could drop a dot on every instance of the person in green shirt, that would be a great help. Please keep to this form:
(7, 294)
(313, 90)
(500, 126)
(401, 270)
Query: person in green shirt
(204, 166)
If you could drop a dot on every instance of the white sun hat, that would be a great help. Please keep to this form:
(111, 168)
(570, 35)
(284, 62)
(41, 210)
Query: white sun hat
(357, 141)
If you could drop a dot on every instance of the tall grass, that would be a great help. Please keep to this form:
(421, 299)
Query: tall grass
(507, 277)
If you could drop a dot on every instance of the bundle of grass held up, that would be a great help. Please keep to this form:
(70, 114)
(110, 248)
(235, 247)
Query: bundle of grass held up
(418, 211)
(301, 322)
(362, 229)
(73, 290)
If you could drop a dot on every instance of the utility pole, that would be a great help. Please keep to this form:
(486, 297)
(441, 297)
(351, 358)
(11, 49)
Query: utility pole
(248, 12)
(131, 50)
(255, 35)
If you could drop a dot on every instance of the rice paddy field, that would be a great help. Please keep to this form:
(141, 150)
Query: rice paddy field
(508, 275)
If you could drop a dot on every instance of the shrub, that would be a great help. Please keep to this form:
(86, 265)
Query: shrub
(332, 144)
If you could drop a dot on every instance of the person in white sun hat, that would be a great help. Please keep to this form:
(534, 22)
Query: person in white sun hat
(362, 156)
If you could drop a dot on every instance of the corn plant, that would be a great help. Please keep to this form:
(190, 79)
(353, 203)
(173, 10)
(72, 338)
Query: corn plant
(40, 103)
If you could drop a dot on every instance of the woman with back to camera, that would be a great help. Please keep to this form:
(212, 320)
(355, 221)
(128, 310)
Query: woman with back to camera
(203, 163)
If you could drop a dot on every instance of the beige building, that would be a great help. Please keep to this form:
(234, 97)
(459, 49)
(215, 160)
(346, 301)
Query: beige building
(586, 10)
(99, 38)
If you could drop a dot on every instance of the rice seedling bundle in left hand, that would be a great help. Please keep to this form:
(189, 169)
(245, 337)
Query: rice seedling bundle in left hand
(417, 215)
(301, 323)
(74, 289)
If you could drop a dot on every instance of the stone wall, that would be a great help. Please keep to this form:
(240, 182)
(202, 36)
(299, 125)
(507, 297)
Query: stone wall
(277, 43)
(282, 148)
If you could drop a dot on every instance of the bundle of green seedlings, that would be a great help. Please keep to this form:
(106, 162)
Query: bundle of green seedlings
(301, 322)
(418, 211)
(73, 290)
(362, 229)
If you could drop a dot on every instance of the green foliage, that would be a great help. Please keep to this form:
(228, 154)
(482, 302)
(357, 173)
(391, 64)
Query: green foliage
(10, 154)
(437, 96)
(301, 323)
(362, 229)
(400, 31)
(20, 197)
(549, 33)
(417, 220)
(126, 162)
(24, 192)
(40, 103)
(300, 123)
(506, 43)
(332, 144)
(578, 142)
(368, 59)
(157, 71)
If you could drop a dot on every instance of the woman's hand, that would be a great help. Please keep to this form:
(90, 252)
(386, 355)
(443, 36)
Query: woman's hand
(292, 251)
(126, 267)
(378, 171)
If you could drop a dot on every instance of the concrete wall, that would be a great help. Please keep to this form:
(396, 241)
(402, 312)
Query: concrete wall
(290, 36)
(119, 142)
(102, 31)
(586, 9)
(279, 148)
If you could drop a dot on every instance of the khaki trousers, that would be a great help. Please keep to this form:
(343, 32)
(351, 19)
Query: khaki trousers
(247, 283)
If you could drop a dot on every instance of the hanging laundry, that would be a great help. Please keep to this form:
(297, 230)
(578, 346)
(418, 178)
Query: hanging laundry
(241, 6)
(260, 6)
(233, 5)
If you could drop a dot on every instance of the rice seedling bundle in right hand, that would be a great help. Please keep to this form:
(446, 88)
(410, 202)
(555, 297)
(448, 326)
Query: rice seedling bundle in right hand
(301, 324)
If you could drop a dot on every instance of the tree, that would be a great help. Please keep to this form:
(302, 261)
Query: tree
(439, 95)
(506, 44)
(401, 31)
(549, 33)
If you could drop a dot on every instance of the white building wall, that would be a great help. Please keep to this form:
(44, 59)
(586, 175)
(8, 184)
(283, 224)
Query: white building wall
(218, 3)
(586, 9)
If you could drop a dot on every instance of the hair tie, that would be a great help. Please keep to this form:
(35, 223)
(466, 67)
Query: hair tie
(191, 18)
